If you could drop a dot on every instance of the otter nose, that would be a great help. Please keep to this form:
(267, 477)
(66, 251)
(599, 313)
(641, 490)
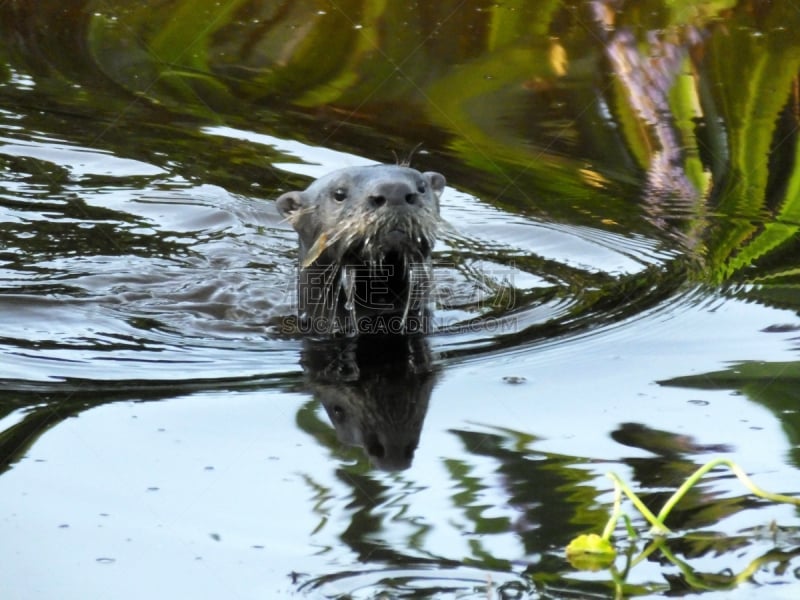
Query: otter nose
(393, 194)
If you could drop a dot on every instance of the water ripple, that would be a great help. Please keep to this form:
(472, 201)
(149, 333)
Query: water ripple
(433, 582)
(157, 279)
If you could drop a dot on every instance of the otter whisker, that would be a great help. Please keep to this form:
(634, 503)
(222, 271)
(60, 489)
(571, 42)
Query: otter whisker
(410, 276)
(316, 250)
(348, 283)
(329, 299)
(299, 214)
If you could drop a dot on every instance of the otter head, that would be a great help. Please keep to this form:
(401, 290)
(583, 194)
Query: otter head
(362, 225)
(361, 214)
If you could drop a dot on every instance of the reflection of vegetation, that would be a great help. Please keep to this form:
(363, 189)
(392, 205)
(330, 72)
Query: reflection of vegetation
(553, 500)
(661, 97)
(668, 102)
(689, 579)
(725, 581)
(551, 494)
(773, 384)
(645, 94)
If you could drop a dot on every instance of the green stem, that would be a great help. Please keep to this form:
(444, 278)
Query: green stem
(629, 527)
(658, 526)
(651, 547)
(657, 522)
(612, 521)
(740, 474)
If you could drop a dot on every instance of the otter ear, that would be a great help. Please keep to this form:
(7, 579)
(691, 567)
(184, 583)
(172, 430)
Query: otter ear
(436, 180)
(289, 203)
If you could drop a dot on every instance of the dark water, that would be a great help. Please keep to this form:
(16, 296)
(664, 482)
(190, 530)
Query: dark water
(617, 290)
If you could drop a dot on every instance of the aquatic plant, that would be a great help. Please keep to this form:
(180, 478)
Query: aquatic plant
(594, 552)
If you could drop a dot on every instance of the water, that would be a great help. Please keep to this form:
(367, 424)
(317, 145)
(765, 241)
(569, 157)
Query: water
(615, 291)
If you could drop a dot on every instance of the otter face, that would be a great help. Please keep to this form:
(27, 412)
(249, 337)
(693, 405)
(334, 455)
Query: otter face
(364, 213)
(366, 238)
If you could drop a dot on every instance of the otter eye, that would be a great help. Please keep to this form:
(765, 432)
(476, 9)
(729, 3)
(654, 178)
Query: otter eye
(340, 194)
(421, 187)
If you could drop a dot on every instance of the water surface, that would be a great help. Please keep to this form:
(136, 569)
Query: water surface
(616, 290)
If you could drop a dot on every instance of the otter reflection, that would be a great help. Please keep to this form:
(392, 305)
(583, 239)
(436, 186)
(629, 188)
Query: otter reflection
(375, 390)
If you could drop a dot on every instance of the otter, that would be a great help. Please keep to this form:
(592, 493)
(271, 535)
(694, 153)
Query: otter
(366, 237)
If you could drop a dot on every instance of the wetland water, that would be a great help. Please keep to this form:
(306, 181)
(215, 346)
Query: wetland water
(617, 289)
